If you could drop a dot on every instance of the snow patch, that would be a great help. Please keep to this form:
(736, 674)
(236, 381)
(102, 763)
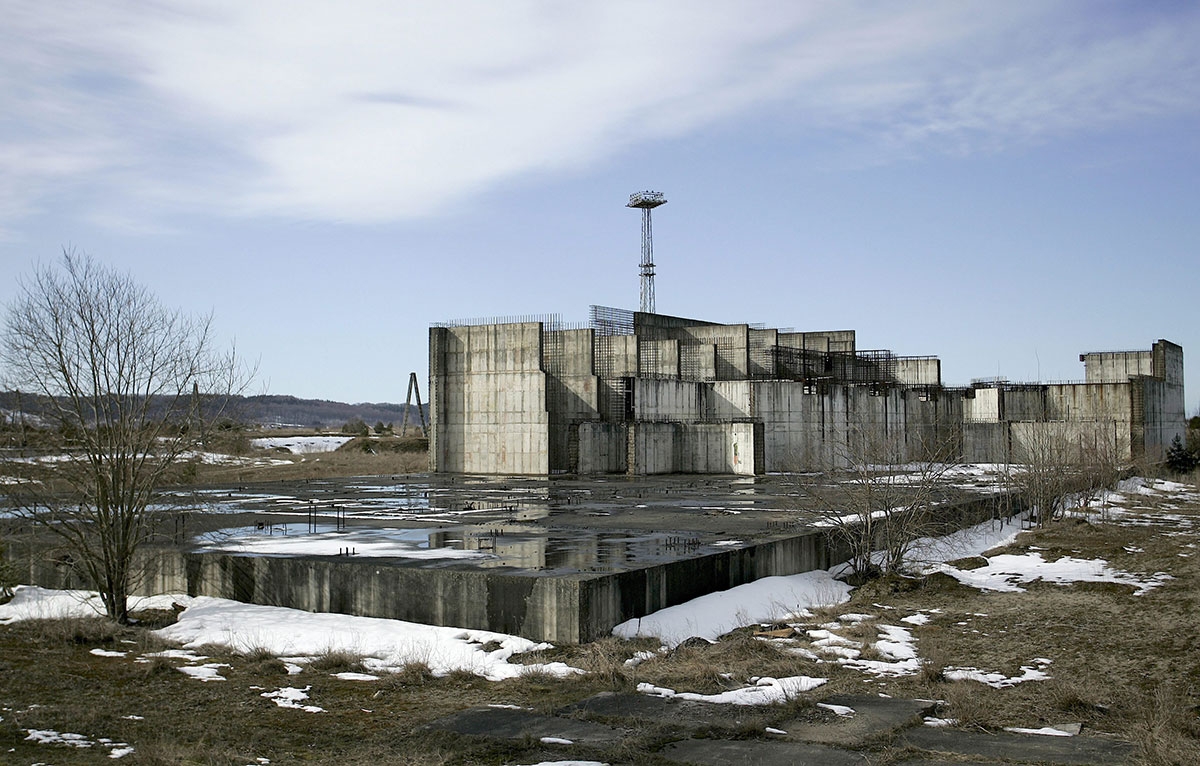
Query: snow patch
(765, 691)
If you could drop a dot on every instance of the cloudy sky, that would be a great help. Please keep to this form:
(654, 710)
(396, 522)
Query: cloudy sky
(1004, 185)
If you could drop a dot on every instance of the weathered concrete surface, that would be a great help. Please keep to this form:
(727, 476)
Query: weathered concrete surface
(875, 718)
(509, 724)
(533, 398)
(715, 752)
(1020, 748)
(669, 712)
(716, 734)
(561, 560)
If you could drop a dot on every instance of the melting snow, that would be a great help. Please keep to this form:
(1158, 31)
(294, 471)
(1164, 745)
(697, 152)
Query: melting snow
(386, 645)
(399, 543)
(713, 615)
(301, 445)
(1035, 672)
(765, 691)
(1005, 570)
(1048, 731)
(69, 739)
(291, 697)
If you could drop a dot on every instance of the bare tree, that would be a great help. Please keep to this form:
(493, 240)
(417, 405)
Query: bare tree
(1063, 466)
(124, 383)
(875, 500)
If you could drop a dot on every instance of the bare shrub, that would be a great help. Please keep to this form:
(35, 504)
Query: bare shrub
(875, 502)
(1063, 467)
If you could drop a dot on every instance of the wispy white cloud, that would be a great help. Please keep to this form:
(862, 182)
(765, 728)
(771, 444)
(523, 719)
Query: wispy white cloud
(376, 111)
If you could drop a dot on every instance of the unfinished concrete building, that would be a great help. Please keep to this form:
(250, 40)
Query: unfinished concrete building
(644, 393)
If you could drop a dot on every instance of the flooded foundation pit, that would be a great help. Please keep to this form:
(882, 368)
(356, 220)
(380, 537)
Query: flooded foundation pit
(559, 559)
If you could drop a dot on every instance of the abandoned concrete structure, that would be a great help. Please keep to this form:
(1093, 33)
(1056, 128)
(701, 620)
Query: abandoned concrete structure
(644, 393)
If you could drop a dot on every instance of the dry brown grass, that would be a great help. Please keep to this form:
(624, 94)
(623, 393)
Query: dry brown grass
(338, 661)
(1122, 664)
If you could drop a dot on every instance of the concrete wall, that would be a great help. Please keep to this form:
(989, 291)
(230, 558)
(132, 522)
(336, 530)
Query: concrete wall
(658, 358)
(813, 430)
(488, 400)
(660, 400)
(1164, 419)
(617, 355)
(515, 399)
(919, 371)
(1168, 362)
(732, 344)
(983, 406)
(824, 341)
(675, 447)
(1116, 366)
(1026, 403)
(727, 400)
(985, 442)
(603, 448)
(563, 609)
(760, 360)
(698, 361)
(627, 595)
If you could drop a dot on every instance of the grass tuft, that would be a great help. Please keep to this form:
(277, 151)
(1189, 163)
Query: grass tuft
(338, 661)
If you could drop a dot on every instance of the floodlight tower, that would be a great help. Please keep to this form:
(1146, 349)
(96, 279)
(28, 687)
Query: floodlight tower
(647, 201)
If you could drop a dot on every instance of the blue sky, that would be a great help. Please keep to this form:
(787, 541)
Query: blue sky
(1004, 185)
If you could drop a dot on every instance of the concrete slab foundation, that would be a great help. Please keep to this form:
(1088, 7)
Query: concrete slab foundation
(554, 560)
(1020, 748)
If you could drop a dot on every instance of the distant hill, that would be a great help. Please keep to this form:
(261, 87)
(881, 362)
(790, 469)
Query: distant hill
(267, 410)
(276, 410)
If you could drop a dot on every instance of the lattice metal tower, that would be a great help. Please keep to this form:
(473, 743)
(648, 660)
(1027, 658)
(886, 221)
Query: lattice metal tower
(647, 201)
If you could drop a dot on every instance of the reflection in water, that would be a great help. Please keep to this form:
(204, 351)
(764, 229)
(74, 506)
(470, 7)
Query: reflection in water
(530, 547)
(510, 521)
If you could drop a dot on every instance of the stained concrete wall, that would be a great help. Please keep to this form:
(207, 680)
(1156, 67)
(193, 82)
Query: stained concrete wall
(698, 361)
(488, 400)
(1165, 418)
(760, 360)
(572, 392)
(727, 400)
(1084, 401)
(983, 406)
(824, 341)
(603, 448)
(1168, 362)
(677, 447)
(919, 372)
(985, 442)
(732, 344)
(617, 355)
(658, 358)
(661, 400)
(514, 399)
(1026, 403)
(805, 431)
(813, 430)
(1116, 366)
